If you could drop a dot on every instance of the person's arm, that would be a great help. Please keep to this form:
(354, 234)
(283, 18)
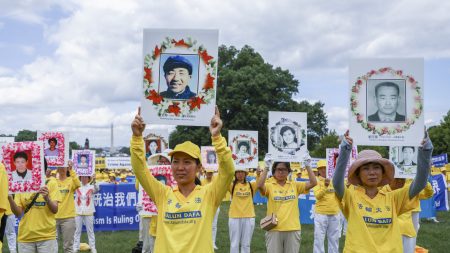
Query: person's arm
(138, 162)
(226, 163)
(52, 204)
(261, 180)
(423, 167)
(427, 192)
(76, 181)
(312, 179)
(16, 209)
(341, 165)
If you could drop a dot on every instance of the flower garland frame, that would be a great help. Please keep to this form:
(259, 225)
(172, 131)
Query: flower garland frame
(152, 136)
(60, 160)
(254, 152)
(283, 121)
(148, 205)
(384, 130)
(187, 107)
(90, 168)
(37, 174)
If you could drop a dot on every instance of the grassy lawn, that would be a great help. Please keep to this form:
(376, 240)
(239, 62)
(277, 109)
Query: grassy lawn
(433, 236)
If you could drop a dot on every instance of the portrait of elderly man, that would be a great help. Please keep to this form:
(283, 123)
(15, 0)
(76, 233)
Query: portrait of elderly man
(387, 100)
(178, 74)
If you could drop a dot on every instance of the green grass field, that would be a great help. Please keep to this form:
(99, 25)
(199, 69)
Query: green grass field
(433, 236)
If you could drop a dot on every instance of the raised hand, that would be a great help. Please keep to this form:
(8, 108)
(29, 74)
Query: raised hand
(216, 124)
(268, 161)
(347, 137)
(138, 125)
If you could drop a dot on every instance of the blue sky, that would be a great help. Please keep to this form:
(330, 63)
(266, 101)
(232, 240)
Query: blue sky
(75, 65)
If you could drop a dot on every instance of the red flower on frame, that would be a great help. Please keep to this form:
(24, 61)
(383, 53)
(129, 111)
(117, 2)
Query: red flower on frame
(241, 161)
(254, 151)
(155, 97)
(234, 156)
(209, 82)
(359, 82)
(250, 159)
(180, 43)
(196, 102)
(174, 108)
(205, 56)
(148, 74)
(399, 72)
(157, 51)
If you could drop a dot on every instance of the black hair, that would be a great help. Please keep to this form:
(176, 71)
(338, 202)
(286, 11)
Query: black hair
(235, 182)
(403, 148)
(21, 154)
(53, 139)
(196, 180)
(288, 128)
(85, 156)
(243, 143)
(387, 84)
(288, 165)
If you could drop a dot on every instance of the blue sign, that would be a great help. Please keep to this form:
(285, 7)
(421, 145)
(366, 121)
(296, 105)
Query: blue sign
(115, 206)
(439, 160)
(440, 195)
(306, 203)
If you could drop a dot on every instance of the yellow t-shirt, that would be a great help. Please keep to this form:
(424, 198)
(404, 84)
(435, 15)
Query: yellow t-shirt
(373, 224)
(67, 189)
(283, 201)
(4, 203)
(184, 223)
(242, 201)
(326, 202)
(39, 223)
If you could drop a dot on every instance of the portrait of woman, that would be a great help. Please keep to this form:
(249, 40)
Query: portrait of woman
(289, 137)
(211, 157)
(243, 149)
(153, 147)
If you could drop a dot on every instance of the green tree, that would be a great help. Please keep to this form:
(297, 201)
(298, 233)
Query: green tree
(248, 88)
(440, 136)
(383, 150)
(26, 135)
(73, 146)
(330, 140)
(125, 150)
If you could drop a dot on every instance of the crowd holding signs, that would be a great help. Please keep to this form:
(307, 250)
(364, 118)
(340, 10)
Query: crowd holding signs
(178, 211)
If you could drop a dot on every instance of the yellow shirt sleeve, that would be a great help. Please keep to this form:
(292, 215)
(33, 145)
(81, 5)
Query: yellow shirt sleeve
(218, 187)
(4, 203)
(301, 187)
(153, 188)
(402, 201)
(319, 190)
(76, 181)
(427, 192)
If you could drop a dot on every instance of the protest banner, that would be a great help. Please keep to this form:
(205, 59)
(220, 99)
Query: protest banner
(179, 76)
(287, 136)
(84, 162)
(24, 163)
(156, 141)
(56, 147)
(404, 159)
(332, 156)
(209, 158)
(439, 160)
(114, 163)
(244, 148)
(440, 195)
(386, 101)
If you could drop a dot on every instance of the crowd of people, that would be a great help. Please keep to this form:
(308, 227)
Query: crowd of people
(379, 213)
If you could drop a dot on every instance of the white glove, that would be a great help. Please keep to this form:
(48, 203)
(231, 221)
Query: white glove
(268, 161)
(307, 159)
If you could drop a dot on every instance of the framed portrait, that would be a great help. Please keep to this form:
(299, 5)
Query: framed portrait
(24, 163)
(162, 173)
(244, 148)
(156, 141)
(56, 147)
(209, 158)
(287, 136)
(4, 140)
(386, 101)
(333, 155)
(179, 76)
(405, 160)
(84, 162)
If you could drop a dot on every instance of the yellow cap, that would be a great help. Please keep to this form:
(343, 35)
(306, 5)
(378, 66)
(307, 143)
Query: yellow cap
(123, 176)
(295, 165)
(112, 175)
(53, 172)
(209, 170)
(321, 163)
(443, 169)
(314, 169)
(188, 148)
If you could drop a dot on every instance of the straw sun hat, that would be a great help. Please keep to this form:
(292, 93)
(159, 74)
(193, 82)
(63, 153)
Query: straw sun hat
(371, 156)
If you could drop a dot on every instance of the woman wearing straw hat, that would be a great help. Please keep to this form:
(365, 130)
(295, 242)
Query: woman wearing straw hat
(282, 195)
(372, 214)
(241, 220)
(186, 212)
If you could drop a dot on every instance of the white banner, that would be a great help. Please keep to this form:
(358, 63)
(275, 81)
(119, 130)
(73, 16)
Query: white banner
(118, 162)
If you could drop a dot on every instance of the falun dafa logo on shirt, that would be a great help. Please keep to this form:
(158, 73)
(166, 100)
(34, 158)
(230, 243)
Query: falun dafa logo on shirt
(177, 205)
(169, 202)
(198, 200)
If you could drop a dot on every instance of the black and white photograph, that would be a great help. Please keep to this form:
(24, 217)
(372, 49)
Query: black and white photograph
(209, 158)
(405, 160)
(244, 148)
(386, 100)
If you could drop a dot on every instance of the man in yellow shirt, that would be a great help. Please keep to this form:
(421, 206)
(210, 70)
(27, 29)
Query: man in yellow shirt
(37, 228)
(3, 199)
(326, 217)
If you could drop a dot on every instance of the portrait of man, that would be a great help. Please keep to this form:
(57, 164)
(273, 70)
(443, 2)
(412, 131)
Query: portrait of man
(177, 74)
(387, 100)
(21, 173)
(408, 154)
(83, 161)
(211, 157)
(52, 150)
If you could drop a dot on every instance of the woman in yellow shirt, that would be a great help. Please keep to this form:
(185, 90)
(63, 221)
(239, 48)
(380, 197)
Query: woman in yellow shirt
(282, 195)
(241, 220)
(186, 212)
(372, 215)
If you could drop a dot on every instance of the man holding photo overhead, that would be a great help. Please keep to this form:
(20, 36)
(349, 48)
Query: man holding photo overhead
(178, 74)
(387, 100)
